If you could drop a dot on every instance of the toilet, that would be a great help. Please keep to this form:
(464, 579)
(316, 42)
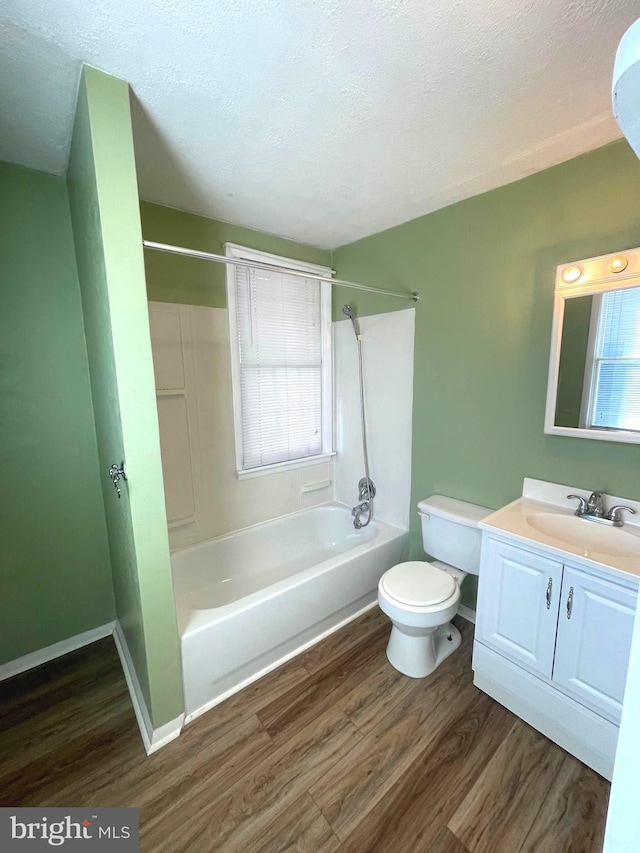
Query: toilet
(422, 598)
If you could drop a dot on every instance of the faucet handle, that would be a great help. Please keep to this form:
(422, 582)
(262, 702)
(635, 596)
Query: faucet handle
(582, 508)
(615, 514)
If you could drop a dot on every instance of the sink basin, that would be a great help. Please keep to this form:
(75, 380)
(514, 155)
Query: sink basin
(586, 535)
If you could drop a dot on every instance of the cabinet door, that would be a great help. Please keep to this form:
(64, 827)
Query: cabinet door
(594, 638)
(518, 605)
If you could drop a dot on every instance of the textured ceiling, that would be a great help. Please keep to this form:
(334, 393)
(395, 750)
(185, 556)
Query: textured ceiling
(323, 120)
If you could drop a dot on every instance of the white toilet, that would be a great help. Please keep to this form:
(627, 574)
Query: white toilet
(422, 598)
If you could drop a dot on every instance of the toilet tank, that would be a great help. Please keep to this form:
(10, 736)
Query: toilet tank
(450, 531)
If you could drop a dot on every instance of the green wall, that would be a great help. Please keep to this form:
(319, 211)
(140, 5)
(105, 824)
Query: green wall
(485, 271)
(108, 240)
(55, 577)
(172, 278)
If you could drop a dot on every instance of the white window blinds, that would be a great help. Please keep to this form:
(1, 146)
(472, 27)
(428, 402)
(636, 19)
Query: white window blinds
(279, 328)
(616, 403)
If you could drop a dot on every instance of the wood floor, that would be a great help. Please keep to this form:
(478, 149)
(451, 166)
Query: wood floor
(335, 751)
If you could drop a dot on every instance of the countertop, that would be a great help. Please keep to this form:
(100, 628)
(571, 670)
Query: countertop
(511, 522)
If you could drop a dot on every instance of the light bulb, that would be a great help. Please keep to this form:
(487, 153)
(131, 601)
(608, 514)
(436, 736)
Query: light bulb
(571, 274)
(618, 264)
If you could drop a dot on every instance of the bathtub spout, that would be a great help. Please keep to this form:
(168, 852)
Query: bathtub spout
(362, 509)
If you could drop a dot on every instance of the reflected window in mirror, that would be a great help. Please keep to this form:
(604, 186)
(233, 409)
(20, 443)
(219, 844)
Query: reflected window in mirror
(613, 401)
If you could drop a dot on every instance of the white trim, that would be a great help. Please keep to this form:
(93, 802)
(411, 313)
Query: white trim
(305, 462)
(165, 734)
(236, 251)
(326, 330)
(234, 361)
(284, 659)
(153, 739)
(135, 691)
(467, 613)
(623, 436)
(26, 662)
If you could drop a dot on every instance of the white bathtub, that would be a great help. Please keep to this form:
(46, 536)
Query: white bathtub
(248, 601)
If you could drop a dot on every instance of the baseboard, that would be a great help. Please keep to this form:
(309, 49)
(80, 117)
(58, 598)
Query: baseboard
(57, 650)
(467, 613)
(153, 739)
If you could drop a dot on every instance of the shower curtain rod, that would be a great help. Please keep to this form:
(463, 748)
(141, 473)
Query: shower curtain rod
(239, 262)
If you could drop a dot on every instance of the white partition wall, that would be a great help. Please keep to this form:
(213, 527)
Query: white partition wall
(388, 343)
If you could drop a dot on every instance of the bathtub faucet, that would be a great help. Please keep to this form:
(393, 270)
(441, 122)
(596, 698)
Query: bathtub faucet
(366, 494)
(362, 509)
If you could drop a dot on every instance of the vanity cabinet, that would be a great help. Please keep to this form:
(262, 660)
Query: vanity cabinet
(519, 615)
(552, 644)
(595, 625)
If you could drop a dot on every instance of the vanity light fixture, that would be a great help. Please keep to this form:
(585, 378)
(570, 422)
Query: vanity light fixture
(618, 264)
(572, 274)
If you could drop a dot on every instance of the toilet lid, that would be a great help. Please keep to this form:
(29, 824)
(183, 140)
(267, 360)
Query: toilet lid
(419, 584)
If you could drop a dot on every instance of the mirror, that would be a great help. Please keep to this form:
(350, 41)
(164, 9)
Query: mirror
(594, 367)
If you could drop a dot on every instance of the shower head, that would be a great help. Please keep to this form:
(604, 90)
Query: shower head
(348, 311)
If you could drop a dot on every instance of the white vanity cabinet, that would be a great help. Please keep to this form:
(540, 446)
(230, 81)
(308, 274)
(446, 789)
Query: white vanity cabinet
(519, 612)
(595, 625)
(552, 644)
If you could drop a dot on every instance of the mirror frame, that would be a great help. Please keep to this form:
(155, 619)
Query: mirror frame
(596, 276)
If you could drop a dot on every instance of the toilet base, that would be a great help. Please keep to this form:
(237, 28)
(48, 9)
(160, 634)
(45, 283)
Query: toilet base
(416, 652)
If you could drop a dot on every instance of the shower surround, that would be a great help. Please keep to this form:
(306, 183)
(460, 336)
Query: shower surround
(267, 566)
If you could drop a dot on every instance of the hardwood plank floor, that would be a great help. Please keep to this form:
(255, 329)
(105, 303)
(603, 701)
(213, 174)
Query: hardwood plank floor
(436, 782)
(355, 786)
(503, 804)
(573, 815)
(334, 751)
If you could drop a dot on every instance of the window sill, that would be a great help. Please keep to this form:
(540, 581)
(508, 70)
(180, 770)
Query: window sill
(250, 473)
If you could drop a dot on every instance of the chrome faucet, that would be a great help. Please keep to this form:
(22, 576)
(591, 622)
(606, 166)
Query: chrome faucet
(594, 509)
(362, 509)
(363, 512)
(595, 505)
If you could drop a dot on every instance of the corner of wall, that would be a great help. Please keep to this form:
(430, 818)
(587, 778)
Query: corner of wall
(153, 739)
(106, 219)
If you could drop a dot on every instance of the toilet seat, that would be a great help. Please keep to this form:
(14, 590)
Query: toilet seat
(418, 584)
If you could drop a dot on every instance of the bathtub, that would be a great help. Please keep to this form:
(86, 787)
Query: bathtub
(248, 601)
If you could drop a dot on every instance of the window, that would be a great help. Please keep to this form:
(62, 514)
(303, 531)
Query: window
(280, 334)
(613, 381)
